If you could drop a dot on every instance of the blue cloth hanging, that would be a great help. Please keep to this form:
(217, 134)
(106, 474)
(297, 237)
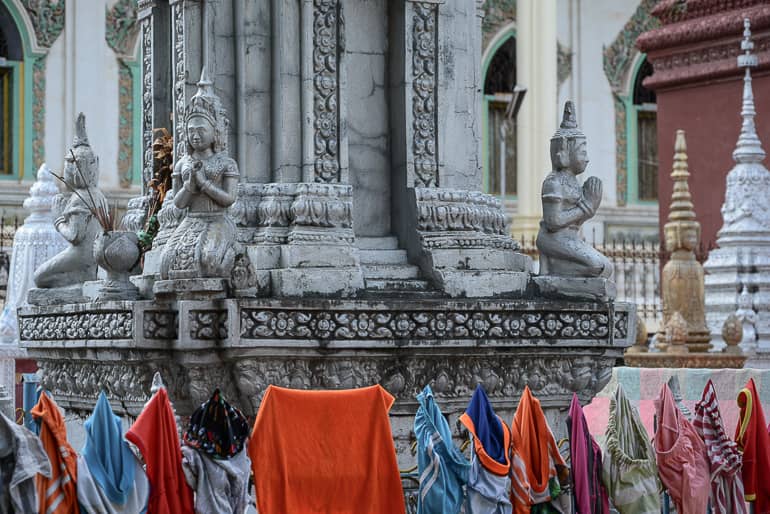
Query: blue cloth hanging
(442, 468)
(107, 454)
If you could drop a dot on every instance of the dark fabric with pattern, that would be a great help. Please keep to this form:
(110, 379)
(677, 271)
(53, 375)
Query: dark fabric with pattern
(217, 428)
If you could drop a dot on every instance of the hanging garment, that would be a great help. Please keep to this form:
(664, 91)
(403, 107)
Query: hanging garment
(586, 463)
(724, 457)
(489, 476)
(22, 458)
(683, 464)
(214, 463)
(538, 470)
(753, 439)
(58, 494)
(155, 434)
(629, 471)
(442, 468)
(325, 452)
(110, 479)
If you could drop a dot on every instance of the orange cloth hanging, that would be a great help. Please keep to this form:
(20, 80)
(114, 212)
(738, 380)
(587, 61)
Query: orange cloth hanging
(327, 452)
(753, 439)
(154, 433)
(57, 494)
(536, 462)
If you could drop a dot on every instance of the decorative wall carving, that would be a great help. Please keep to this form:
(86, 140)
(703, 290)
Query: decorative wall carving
(147, 104)
(274, 213)
(427, 324)
(178, 59)
(38, 111)
(208, 324)
(77, 326)
(618, 58)
(327, 39)
(424, 121)
(47, 19)
(322, 206)
(160, 325)
(121, 27)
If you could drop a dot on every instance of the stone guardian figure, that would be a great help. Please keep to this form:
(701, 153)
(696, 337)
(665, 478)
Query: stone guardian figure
(205, 181)
(566, 206)
(74, 219)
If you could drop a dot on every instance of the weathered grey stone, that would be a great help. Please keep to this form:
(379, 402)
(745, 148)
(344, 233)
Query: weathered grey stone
(191, 288)
(56, 295)
(482, 284)
(293, 282)
(599, 289)
(318, 256)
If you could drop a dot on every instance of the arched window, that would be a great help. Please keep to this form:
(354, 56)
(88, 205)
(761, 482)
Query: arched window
(645, 112)
(11, 55)
(499, 135)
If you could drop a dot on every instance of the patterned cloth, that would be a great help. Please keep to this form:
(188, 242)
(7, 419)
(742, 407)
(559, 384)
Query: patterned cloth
(22, 457)
(217, 428)
(683, 464)
(724, 457)
(537, 468)
(629, 471)
(442, 468)
(586, 463)
(220, 485)
(753, 439)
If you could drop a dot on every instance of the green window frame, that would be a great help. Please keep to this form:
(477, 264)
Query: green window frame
(641, 147)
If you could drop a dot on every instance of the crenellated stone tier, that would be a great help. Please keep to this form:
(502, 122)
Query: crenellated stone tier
(242, 346)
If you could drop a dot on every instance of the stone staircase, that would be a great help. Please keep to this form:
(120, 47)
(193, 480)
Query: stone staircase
(387, 270)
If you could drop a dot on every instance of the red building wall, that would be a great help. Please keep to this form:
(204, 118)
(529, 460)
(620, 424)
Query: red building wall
(710, 116)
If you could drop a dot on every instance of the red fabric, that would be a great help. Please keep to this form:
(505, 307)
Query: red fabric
(753, 439)
(683, 463)
(327, 452)
(57, 494)
(586, 464)
(155, 434)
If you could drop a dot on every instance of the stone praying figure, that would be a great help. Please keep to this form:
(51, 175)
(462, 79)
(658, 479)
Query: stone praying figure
(75, 222)
(204, 182)
(566, 206)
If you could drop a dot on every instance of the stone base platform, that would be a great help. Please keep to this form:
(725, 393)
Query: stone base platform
(684, 360)
(243, 345)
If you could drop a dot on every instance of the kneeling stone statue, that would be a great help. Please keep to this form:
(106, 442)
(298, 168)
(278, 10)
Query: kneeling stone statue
(568, 265)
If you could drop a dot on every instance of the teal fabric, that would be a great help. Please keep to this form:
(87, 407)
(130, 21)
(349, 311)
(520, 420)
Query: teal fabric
(107, 454)
(442, 468)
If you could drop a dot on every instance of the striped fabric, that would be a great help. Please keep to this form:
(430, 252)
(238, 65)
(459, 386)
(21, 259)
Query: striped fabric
(629, 471)
(723, 454)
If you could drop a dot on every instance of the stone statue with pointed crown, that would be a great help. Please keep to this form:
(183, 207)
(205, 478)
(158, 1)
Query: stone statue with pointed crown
(204, 182)
(566, 206)
(74, 220)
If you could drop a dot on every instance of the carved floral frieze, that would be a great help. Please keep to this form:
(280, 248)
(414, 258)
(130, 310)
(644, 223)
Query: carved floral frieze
(424, 121)
(77, 326)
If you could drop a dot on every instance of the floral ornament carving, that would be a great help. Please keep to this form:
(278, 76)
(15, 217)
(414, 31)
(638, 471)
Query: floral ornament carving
(85, 325)
(618, 58)
(38, 111)
(180, 76)
(327, 22)
(47, 19)
(424, 62)
(121, 27)
(428, 325)
(208, 325)
(160, 325)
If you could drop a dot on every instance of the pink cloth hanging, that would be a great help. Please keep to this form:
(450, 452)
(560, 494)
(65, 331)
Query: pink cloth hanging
(586, 462)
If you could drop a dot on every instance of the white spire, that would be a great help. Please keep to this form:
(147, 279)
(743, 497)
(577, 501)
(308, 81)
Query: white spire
(749, 147)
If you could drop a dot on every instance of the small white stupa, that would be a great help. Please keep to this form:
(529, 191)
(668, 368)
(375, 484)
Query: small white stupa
(34, 243)
(741, 263)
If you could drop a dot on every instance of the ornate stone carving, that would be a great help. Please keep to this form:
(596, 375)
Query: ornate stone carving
(274, 213)
(180, 76)
(424, 63)
(317, 208)
(327, 43)
(244, 211)
(38, 111)
(427, 325)
(110, 325)
(682, 277)
(160, 325)
(208, 325)
(47, 19)
(497, 13)
(76, 220)
(618, 58)
(147, 103)
(121, 27)
(566, 206)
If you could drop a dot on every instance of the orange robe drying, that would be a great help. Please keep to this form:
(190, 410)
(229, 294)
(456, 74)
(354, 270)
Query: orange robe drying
(325, 452)
(154, 433)
(753, 439)
(538, 470)
(57, 494)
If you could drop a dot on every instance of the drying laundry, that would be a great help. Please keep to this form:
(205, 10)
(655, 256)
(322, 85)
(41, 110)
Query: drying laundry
(442, 468)
(215, 464)
(58, 493)
(753, 439)
(22, 458)
(325, 451)
(586, 464)
(538, 471)
(724, 457)
(683, 464)
(155, 434)
(629, 471)
(489, 476)
(110, 479)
